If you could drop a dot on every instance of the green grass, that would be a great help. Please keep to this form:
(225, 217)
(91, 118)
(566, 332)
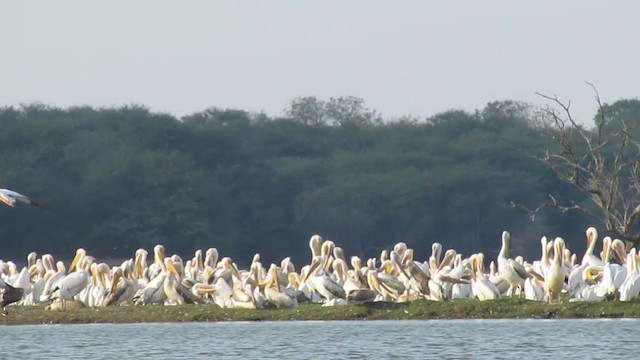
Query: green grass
(459, 309)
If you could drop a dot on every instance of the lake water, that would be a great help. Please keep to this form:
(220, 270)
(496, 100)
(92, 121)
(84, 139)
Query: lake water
(406, 339)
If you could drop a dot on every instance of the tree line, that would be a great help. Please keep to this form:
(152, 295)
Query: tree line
(117, 179)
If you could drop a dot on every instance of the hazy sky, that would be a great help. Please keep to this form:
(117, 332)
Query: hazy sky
(401, 57)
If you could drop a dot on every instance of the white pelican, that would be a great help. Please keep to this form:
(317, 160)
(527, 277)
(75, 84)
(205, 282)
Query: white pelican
(76, 281)
(170, 283)
(153, 291)
(613, 275)
(588, 257)
(510, 270)
(533, 289)
(460, 291)
(355, 292)
(630, 288)
(541, 266)
(52, 276)
(275, 294)
(389, 287)
(321, 282)
(122, 289)
(10, 197)
(554, 279)
(481, 287)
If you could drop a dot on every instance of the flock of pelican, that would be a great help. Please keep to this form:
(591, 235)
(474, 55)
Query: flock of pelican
(330, 277)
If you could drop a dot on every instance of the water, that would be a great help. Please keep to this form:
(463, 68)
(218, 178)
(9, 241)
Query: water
(407, 339)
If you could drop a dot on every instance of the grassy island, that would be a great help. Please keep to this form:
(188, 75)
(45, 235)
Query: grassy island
(503, 308)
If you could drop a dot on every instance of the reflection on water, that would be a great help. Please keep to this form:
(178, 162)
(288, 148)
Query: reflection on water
(407, 339)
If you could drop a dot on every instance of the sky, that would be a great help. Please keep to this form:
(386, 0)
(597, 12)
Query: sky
(417, 58)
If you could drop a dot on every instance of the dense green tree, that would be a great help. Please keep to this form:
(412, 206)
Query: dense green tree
(116, 179)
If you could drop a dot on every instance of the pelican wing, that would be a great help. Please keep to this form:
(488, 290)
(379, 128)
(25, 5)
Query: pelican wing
(10, 197)
(519, 269)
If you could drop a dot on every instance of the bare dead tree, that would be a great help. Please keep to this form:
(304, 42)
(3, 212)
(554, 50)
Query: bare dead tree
(603, 163)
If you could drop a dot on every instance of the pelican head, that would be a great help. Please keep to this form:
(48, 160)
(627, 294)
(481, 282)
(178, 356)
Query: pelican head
(315, 242)
(400, 248)
(158, 254)
(169, 264)
(80, 255)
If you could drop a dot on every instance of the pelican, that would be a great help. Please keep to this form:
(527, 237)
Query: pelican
(613, 275)
(533, 289)
(170, 283)
(481, 287)
(630, 288)
(321, 282)
(588, 257)
(554, 279)
(10, 197)
(542, 266)
(52, 276)
(510, 270)
(389, 287)
(355, 292)
(274, 293)
(76, 281)
(122, 289)
(153, 291)
(9, 295)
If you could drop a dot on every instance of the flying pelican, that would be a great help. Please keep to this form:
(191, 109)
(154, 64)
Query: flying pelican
(9, 197)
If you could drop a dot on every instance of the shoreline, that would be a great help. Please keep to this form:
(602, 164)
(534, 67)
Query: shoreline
(503, 308)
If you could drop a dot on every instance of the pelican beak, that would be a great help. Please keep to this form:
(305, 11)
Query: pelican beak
(75, 261)
(172, 269)
(229, 265)
(207, 274)
(33, 271)
(158, 254)
(116, 279)
(293, 280)
(137, 268)
(274, 278)
(388, 268)
(373, 282)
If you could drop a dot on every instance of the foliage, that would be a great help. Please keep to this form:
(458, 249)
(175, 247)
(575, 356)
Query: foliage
(602, 163)
(116, 179)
